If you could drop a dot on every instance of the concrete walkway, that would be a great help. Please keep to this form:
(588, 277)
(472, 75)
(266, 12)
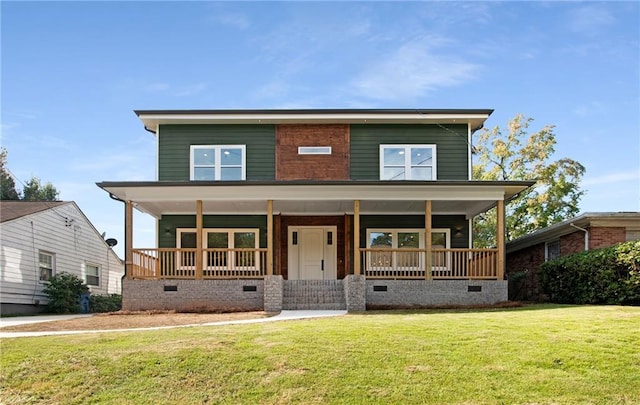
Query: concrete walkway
(282, 316)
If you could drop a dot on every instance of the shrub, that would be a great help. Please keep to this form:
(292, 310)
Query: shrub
(64, 291)
(602, 276)
(105, 303)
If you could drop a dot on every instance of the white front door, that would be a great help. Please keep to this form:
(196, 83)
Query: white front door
(312, 253)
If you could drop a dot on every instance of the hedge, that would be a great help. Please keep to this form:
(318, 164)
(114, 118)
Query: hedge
(602, 276)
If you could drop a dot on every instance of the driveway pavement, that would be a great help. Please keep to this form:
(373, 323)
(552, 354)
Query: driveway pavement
(282, 316)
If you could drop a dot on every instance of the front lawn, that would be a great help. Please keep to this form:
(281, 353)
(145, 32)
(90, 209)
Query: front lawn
(529, 355)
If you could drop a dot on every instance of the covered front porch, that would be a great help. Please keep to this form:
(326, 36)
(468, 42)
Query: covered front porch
(371, 232)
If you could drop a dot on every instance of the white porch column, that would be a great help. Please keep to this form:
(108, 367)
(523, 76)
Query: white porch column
(356, 237)
(500, 239)
(427, 239)
(269, 237)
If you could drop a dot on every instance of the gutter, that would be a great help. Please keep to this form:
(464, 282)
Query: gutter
(586, 235)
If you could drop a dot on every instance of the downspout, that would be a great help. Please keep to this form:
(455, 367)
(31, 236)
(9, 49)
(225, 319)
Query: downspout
(586, 235)
(124, 276)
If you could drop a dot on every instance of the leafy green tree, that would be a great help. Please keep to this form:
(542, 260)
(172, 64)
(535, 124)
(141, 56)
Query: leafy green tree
(518, 155)
(34, 190)
(7, 185)
(64, 291)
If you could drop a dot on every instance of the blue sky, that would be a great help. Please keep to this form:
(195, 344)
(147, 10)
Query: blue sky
(73, 72)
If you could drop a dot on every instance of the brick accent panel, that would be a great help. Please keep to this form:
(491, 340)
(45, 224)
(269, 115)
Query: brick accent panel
(291, 166)
(428, 293)
(192, 295)
(600, 237)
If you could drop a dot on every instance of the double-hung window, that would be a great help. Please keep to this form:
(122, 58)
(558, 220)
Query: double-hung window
(92, 274)
(218, 162)
(224, 248)
(407, 162)
(46, 264)
(403, 249)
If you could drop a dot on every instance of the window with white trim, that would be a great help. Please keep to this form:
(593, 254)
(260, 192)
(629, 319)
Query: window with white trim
(552, 250)
(217, 242)
(408, 162)
(382, 239)
(92, 274)
(46, 265)
(218, 162)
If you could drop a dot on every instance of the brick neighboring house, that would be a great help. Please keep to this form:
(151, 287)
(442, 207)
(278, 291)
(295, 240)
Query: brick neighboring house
(313, 209)
(591, 230)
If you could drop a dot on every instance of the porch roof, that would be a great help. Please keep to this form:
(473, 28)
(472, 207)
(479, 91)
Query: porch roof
(315, 197)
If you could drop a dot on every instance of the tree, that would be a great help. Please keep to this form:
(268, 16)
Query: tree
(7, 185)
(517, 155)
(35, 191)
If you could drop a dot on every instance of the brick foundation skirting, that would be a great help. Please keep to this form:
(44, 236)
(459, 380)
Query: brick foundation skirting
(267, 294)
(193, 295)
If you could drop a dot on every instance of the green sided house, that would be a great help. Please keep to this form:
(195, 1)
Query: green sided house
(312, 209)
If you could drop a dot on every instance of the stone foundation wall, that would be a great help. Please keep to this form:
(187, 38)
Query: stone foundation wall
(425, 293)
(193, 295)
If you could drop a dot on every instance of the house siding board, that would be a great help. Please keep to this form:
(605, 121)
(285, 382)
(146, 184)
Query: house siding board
(174, 142)
(73, 246)
(168, 223)
(452, 150)
(416, 221)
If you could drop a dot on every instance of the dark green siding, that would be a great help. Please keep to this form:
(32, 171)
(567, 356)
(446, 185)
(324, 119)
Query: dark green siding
(417, 221)
(168, 224)
(175, 141)
(452, 148)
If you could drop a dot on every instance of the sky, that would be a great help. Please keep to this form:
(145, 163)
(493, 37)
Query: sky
(73, 72)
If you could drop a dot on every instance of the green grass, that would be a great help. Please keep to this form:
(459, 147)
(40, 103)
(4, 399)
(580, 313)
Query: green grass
(530, 355)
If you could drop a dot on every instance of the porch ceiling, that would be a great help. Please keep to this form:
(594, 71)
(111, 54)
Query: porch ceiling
(307, 198)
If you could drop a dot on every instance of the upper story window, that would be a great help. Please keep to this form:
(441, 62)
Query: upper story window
(407, 162)
(218, 162)
(46, 265)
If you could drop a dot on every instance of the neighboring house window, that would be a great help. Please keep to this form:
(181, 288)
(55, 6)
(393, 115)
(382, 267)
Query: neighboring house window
(217, 243)
(407, 239)
(407, 162)
(552, 250)
(47, 265)
(223, 162)
(92, 276)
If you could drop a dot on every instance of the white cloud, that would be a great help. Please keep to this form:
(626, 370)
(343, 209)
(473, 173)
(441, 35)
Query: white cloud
(589, 19)
(414, 70)
(614, 178)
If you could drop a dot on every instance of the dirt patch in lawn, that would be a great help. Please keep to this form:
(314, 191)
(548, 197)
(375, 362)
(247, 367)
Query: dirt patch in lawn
(131, 320)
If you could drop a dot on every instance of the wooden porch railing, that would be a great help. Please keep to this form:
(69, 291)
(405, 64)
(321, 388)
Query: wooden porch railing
(461, 264)
(180, 263)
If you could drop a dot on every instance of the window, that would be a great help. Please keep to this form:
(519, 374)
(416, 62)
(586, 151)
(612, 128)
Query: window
(407, 162)
(314, 150)
(225, 162)
(92, 274)
(217, 243)
(552, 250)
(47, 265)
(411, 240)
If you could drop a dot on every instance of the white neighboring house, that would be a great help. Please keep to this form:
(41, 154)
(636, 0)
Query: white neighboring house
(41, 238)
